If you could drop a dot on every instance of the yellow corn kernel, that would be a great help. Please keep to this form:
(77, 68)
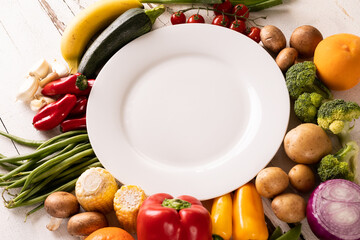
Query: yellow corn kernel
(127, 202)
(95, 190)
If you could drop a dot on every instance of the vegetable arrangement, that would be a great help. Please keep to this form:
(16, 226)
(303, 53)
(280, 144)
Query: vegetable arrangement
(54, 166)
(67, 162)
(226, 15)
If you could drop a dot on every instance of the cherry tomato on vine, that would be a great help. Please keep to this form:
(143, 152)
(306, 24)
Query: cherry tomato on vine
(196, 18)
(239, 26)
(225, 7)
(241, 10)
(221, 20)
(178, 18)
(254, 34)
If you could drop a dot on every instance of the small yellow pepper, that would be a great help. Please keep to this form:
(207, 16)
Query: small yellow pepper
(221, 216)
(248, 214)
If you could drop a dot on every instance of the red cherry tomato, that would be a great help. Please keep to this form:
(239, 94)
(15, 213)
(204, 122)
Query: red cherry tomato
(241, 10)
(221, 20)
(178, 18)
(239, 26)
(254, 34)
(225, 7)
(196, 18)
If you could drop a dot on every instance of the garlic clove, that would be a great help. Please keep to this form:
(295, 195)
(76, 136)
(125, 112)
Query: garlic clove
(49, 78)
(39, 102)
(60, 68)
(28, 88)
(41, 69)
(54, 223)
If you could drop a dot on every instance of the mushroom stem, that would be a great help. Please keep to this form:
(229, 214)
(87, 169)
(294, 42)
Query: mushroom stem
(54, 223)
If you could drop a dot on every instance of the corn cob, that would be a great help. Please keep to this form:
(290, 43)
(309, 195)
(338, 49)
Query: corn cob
(127, 202)
(95, 190)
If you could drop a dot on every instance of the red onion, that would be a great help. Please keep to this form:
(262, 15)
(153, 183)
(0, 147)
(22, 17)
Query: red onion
(333, 210)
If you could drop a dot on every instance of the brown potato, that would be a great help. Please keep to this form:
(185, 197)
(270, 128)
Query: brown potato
(289, 207)
(305, 39)
(272, 38)
(302, 178)
(307, 143)
(286, 58)
(271, 181)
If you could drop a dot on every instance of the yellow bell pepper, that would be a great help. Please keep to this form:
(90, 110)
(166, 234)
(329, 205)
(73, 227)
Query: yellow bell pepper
(221, 216)
(248, 214)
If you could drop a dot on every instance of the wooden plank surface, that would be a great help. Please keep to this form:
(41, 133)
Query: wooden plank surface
(31, 30)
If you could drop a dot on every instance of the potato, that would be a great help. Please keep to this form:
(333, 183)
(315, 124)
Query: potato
(272, 38)
(286, 58)
(302, 178)
(305, 39)
(289, 207)
(307, 143)
(271, 181)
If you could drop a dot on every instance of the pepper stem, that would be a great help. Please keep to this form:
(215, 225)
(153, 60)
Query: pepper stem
(155, 12)
(176, 204)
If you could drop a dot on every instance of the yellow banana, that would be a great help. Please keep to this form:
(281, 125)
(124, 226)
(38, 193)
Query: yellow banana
(87, 23)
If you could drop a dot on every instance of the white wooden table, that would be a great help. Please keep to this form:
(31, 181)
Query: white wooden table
(31, 29)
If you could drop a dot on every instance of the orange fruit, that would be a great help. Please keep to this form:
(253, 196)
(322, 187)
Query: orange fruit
(110, 233)
(337, 59)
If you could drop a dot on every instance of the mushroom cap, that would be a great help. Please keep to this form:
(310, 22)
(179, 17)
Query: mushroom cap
(61, 205)
(83, 224)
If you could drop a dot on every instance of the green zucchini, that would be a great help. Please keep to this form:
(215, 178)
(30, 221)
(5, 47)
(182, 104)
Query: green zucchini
(128, 26)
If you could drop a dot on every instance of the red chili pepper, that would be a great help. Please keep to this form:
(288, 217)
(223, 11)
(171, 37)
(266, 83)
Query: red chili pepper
(66, 85)
(80, 106)
(161, 217)
(54, 113)
(73, 124)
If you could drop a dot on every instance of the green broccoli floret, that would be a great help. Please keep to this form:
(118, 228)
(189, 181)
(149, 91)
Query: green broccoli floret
(336, 116)
(341, 165)
(301, 77)
(307, 105)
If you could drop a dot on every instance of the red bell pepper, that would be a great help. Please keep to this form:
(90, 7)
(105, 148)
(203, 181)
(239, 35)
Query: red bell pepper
(54, 113)
(66, 85)
(73, 124)
(161, 217)
(80, 106)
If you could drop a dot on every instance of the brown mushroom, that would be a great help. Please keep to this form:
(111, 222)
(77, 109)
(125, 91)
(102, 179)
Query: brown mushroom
(272, 38)
(60, 205)
(305, 39)
(83, 224)
(286, 58)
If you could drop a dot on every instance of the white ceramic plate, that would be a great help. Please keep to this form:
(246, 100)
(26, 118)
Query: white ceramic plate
(191, 109)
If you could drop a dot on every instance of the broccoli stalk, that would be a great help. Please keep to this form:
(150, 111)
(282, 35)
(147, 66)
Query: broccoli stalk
(341, 165)
(301, 78)
(336, 116)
